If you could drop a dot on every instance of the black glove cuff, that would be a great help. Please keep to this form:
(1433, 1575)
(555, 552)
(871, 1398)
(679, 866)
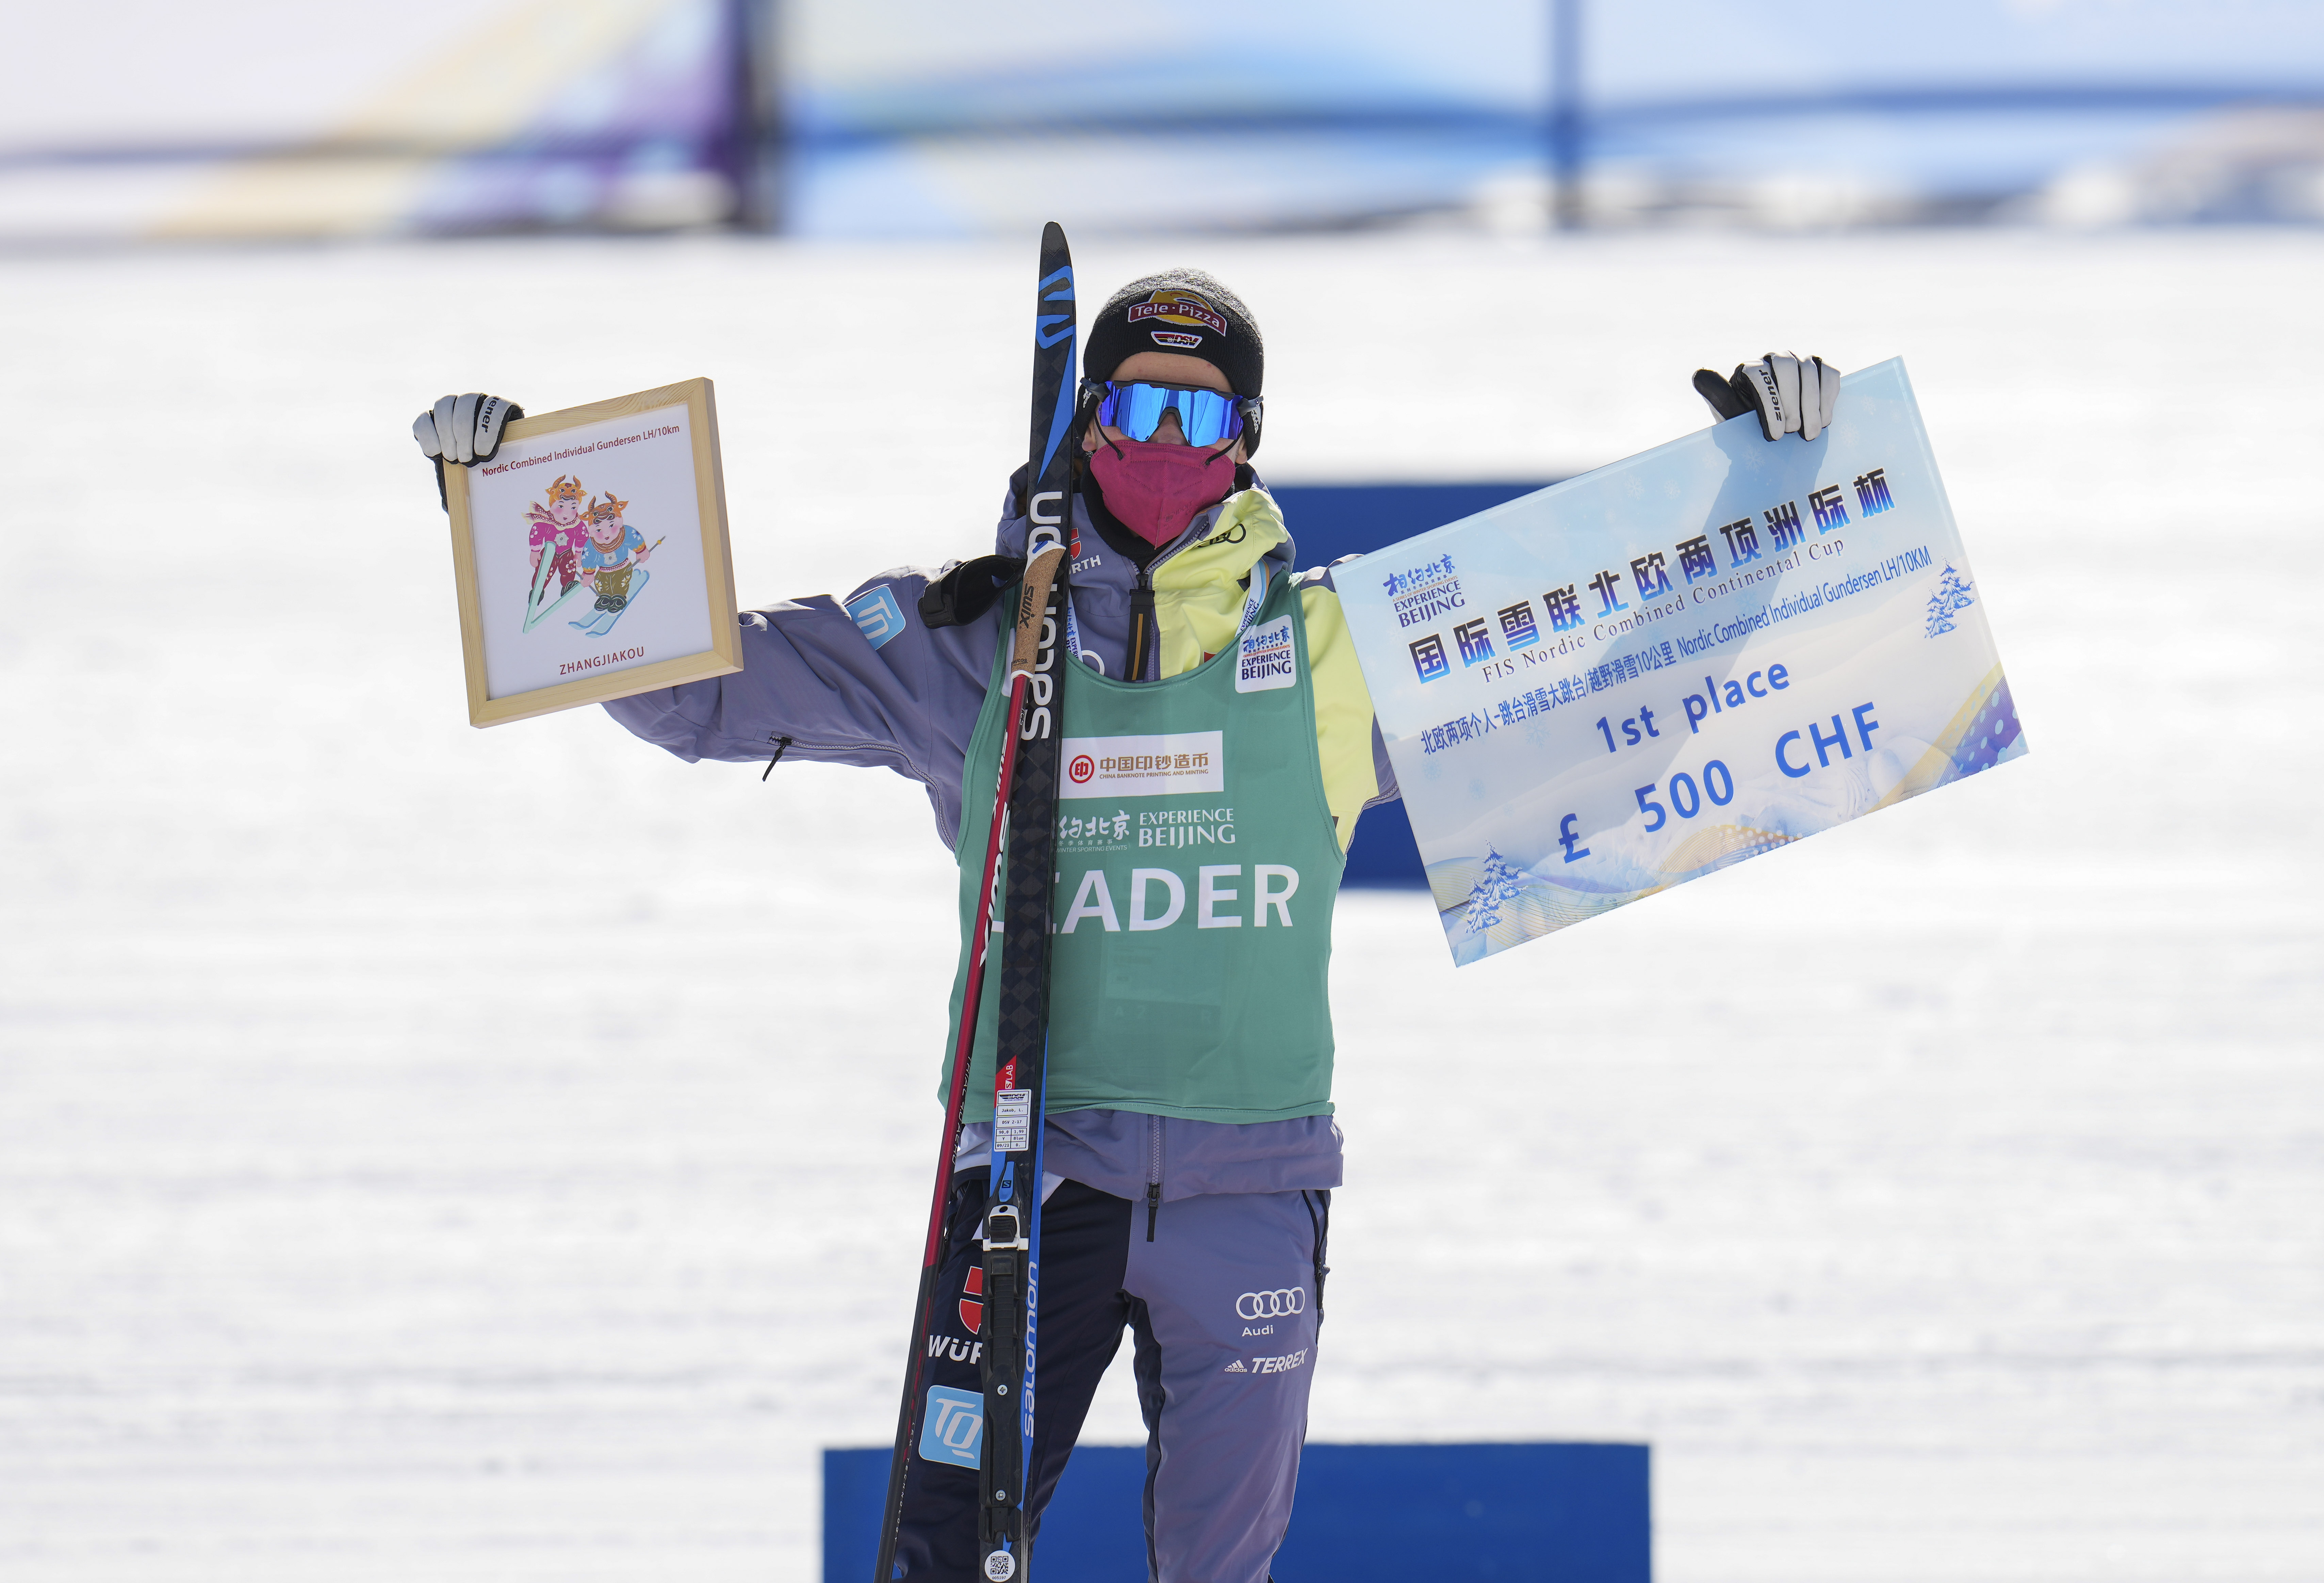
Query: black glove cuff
(967, 589)
(1729, 398)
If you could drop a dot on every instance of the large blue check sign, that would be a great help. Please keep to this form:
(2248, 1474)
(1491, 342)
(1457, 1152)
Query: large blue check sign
(1628, 679)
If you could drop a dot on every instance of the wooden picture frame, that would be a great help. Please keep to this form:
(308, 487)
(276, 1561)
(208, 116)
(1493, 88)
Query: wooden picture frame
(551, 541)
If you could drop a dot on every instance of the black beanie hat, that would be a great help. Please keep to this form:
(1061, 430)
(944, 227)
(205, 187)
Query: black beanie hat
(1179, 311)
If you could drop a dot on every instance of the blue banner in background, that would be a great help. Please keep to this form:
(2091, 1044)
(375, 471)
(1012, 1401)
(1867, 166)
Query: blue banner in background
(1659, 669)
(1328, 520)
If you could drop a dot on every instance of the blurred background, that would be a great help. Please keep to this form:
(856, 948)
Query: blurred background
(916, 119)
(436, 1154)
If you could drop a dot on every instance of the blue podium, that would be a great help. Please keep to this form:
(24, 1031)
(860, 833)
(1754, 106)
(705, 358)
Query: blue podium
(1513, 1513)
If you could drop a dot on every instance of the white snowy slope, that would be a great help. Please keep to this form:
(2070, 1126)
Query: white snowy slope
(433, 1154)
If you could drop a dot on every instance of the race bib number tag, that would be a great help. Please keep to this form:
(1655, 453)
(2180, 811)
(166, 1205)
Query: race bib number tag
(1012, 1121)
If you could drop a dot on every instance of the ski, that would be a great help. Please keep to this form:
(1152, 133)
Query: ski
(605, 621)
(1013, 1220)
(1024, 800)
(535, 610)
(544, 612)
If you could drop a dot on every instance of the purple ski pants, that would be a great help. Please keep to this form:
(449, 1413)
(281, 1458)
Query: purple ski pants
(1222, 1303)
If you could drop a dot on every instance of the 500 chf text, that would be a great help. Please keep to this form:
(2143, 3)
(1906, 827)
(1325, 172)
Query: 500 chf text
(1717, 785)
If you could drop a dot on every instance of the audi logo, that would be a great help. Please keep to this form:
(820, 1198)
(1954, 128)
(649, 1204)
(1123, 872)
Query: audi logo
(1271, 1305)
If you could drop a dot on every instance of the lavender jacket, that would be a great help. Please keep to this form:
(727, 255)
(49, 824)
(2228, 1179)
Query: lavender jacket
(863, 681)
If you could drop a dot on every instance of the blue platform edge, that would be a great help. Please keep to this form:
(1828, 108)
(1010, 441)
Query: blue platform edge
(1328, 520)
(1575, 1513)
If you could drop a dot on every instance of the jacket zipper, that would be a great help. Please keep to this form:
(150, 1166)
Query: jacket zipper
(1141, 635)
(1142, 622)
(1153, 1172)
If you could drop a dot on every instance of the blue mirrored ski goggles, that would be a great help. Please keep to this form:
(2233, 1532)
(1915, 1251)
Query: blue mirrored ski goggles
(1206, 417)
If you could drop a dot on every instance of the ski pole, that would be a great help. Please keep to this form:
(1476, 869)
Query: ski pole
(1033, 605)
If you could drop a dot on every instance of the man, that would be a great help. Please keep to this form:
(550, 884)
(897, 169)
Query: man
(1191, 1152)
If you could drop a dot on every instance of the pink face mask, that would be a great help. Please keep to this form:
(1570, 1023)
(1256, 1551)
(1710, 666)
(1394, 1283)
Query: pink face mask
(1156, 489)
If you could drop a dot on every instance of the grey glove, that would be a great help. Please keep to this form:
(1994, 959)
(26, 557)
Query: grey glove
(463, 429)
(1792, 395)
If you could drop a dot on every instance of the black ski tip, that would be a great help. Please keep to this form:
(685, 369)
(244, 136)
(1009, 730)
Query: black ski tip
(1053, 236)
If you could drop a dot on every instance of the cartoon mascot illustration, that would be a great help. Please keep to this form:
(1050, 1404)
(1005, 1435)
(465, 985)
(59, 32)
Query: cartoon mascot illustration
(558, 533)
(614, 563)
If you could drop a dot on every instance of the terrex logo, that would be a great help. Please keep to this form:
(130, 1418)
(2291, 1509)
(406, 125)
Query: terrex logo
(1172, 306)
(1082, 768)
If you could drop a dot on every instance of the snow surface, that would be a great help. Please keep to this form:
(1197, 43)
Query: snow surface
(426, 1153)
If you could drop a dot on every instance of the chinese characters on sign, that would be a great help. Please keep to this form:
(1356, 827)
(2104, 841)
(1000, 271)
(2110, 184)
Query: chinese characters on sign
(1103, 826)
(1540, 700)
(1428, 657)
(1147, 764)
(1424, 592)
(1517, 628)
(1687, 658)
(1432, 591)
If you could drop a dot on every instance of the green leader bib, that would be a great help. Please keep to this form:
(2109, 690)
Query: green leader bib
(1197, 867)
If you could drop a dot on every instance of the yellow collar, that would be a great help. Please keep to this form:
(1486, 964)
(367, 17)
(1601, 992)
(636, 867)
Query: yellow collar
(1198, 593)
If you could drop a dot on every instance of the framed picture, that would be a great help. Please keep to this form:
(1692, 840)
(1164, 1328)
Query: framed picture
(591, 557)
